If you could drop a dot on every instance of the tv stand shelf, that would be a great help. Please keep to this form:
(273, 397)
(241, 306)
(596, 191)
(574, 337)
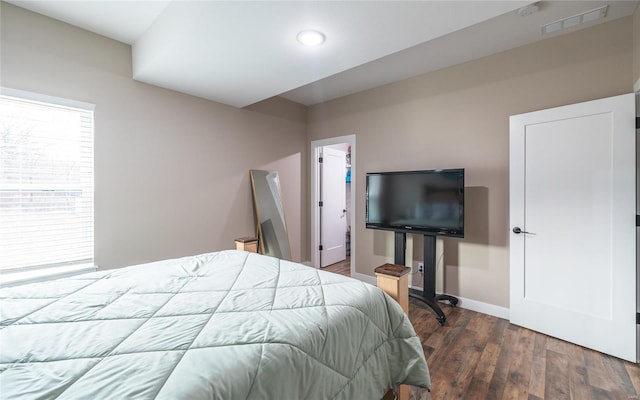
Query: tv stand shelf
(428, 294)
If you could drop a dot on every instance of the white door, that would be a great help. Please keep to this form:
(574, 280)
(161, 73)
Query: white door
(333, 213)
(572, 192)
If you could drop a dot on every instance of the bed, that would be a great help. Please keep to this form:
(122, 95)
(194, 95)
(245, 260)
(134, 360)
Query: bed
(224, 325)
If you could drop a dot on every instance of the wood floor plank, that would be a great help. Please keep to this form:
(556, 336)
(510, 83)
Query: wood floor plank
(342, 267)
(557, 376)
(538, 367)
(468, 360)
(477, 390)
(596, 371)
(487, 363)
(434, 340)
(619, 377)
(517, 384)
(499, 378)
(579, 387)
(450, 336)
(499, 330)
(488, 324)
(601, 394)
(578, 383)
(633, 370)
(454, 354)
(555, 345)
(476, 322)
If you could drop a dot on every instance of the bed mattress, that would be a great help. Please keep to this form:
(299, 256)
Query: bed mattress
(225, 325)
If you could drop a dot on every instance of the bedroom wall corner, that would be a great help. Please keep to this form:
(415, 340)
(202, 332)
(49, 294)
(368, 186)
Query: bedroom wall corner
(171, 170)
(636, 48)
(295, 172)
(459, 117)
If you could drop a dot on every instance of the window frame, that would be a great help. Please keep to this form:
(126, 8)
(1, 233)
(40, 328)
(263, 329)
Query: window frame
(33, 273)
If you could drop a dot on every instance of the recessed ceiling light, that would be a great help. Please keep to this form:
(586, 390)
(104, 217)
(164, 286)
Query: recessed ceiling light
(529, 9)
(310, 38)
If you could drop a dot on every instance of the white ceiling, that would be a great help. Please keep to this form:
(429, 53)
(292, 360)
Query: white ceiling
(242, 52)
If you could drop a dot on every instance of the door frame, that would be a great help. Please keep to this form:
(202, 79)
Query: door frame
(316, 146)
(636, 89)
(333, 213)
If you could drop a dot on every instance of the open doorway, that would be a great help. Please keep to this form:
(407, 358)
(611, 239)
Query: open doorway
(333, 201)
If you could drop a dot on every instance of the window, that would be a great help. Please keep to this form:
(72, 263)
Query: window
(46, 184)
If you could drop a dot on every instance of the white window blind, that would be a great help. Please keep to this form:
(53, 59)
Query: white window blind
(46, 184)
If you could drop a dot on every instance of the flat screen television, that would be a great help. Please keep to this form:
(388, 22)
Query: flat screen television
(428, 202)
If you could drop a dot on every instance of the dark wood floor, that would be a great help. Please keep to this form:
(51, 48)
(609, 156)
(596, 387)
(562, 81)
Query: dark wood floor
(477, 356)
(342, 268)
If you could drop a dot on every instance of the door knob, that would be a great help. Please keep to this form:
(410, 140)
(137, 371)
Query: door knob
(518, 231)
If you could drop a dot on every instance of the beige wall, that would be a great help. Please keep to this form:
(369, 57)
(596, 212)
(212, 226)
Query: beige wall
(636, 45)
(459, 117)
(171, 170)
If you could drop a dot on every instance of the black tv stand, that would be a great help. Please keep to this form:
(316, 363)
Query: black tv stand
(428, 294)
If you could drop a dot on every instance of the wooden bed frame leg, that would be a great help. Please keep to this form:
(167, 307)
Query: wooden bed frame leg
(404, 392)
(394, 280)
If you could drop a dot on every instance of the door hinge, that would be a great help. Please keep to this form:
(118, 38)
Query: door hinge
(320, 160)
(638, 318)
(637, 122)
(637, 220)
(320, 247)
(320, 204)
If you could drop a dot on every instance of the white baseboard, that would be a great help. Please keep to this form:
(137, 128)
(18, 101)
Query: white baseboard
(467, 304)
(485, 308)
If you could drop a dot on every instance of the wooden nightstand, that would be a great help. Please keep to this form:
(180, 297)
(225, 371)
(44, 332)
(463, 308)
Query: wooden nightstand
(249, 244)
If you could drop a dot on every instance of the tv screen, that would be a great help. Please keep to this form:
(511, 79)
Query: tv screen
(429, 202)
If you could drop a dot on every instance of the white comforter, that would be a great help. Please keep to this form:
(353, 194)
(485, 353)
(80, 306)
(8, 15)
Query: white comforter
(227, 325)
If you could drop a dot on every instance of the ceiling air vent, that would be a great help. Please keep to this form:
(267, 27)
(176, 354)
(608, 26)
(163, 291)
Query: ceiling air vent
(575, 20)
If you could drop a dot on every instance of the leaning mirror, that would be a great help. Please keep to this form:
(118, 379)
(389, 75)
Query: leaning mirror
(267, 204)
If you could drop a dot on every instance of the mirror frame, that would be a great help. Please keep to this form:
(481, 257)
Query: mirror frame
(256, 214)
